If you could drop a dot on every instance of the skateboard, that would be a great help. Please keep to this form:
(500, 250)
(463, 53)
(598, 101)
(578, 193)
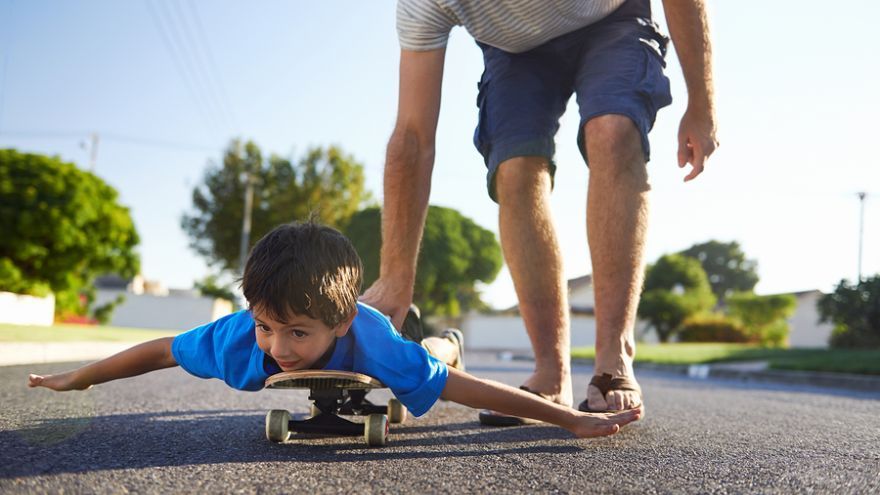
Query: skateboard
(334, 393)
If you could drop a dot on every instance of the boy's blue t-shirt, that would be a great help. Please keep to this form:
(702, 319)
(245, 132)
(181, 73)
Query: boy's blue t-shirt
(227, 349)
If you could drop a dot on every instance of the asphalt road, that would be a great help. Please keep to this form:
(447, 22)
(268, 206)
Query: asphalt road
(168, 432)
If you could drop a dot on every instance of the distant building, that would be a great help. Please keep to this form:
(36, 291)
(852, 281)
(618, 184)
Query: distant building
(149, 304)
(504, 330)
(805, 328)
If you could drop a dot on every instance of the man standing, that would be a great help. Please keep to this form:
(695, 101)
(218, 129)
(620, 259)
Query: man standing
(610, 54)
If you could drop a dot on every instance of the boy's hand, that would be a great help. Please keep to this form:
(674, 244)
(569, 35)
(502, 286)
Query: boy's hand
(603, 424)
(60, 383)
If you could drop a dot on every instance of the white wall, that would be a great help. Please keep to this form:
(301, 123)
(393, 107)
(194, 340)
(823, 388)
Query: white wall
(163, 312)
(19, 309)
(489, 332)
(805, 329)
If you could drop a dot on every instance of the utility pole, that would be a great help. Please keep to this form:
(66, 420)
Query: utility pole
(246, 222)
(861, 231)
(93, 152)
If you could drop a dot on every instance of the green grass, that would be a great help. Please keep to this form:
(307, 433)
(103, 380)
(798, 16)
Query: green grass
(78, 333)
(838, 360)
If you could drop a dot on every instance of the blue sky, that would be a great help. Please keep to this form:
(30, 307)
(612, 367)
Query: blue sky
(796, 93)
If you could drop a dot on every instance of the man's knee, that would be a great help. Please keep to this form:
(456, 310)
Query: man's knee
(614, 146)
(521, 176)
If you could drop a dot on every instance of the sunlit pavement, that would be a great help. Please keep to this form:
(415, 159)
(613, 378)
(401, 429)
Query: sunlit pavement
(169, 432)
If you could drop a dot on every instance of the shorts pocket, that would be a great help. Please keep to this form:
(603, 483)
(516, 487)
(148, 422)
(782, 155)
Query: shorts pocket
(654, 87)
(480, 140)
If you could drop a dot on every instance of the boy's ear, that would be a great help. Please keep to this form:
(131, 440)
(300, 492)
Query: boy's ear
(343, 327)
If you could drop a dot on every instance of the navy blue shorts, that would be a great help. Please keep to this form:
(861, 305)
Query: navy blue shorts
(614, 66)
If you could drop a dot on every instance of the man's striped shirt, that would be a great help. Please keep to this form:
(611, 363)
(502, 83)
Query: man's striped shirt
(512, 25)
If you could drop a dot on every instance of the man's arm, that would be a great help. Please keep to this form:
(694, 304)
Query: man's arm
(485, 394)
(407, 185)
(140, 359)
(689, 29)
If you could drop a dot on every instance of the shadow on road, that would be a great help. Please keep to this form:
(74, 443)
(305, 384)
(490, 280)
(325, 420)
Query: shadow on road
(182, 438)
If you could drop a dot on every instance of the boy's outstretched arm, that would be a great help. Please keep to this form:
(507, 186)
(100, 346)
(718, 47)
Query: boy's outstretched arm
(140, 359)
(486, 394)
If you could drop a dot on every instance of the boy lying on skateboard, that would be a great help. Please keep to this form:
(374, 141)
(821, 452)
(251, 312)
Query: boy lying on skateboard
(301, 282)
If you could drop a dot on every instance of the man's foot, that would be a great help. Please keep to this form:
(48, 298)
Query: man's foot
(495, 418)
(455, 336)
(561, 394)
(612, 393)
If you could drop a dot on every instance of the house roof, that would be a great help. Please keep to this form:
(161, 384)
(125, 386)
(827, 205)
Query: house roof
(577, 283)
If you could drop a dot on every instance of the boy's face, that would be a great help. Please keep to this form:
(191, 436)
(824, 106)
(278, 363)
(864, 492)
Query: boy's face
(297, 343)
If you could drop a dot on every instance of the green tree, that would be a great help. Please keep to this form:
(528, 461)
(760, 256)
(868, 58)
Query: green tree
(763, 318)
(325, 183)
(61, 228)
(455, 253)
(854, 309)
(676, 288)
(726, 266)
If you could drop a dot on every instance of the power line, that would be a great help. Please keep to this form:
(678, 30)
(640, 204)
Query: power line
(176, 26)
(212, 64)
(108, 136)
(179, 66)
(9, 42)
(201, 66)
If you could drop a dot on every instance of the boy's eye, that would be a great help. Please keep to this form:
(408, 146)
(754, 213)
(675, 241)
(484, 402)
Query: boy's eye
(299, 334)
(263, 328)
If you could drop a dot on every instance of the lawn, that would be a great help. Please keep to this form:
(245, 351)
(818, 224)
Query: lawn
(78, 333)
(839, 360)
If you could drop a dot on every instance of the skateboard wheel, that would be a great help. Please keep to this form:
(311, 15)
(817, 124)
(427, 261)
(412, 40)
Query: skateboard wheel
(396, 411)
(314, 411)
(376, 429)
(277, 423)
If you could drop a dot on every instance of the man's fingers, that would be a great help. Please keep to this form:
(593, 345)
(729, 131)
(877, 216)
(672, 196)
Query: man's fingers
(697, 161)
(683, 151)
(398, 317)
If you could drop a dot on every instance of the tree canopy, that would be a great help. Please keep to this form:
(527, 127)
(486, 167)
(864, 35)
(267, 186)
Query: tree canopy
(61, 228)
(455, 253)
(676, 287)
(325, 183)
(726, 266)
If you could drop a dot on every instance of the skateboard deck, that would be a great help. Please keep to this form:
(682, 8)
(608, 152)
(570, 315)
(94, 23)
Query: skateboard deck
(323, 379)
(333, 393)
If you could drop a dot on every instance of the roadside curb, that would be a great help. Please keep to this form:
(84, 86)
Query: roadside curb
(20, 353)
(754, 372)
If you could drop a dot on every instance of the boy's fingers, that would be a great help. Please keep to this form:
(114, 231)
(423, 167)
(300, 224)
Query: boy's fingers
(34, 380)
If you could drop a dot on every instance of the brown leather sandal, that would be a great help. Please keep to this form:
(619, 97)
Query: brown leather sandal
(606, 383)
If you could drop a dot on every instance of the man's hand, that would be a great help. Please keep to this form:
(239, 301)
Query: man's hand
(696, 140)
(390, 299)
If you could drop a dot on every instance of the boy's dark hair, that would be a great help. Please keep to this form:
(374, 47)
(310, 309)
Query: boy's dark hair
(305, 269)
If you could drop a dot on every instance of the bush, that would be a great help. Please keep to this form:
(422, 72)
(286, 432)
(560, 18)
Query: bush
(763, 318)
(712, 328)
(855, 312)
(59, 228)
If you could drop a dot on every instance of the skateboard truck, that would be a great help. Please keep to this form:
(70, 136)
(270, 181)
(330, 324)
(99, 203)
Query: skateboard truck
(334, 393)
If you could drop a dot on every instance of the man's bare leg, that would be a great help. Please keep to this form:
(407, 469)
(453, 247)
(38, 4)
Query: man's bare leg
(617, 221)
(531, 250)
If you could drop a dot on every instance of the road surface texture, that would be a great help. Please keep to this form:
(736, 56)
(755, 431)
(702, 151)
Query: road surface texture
(168, 432)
